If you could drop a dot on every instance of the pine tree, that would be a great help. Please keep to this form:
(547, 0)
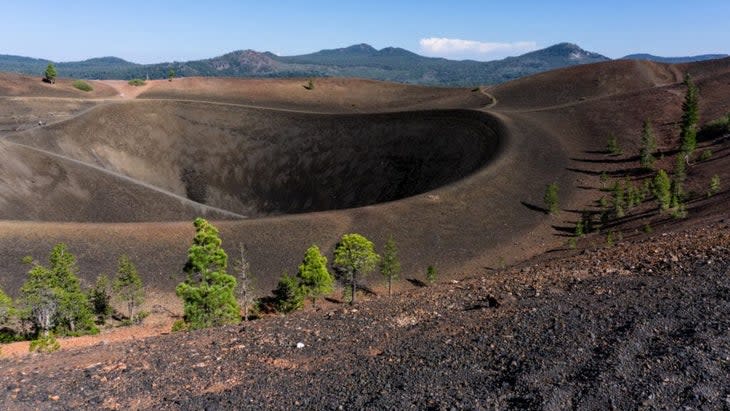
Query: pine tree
(714, 185)
(7, 309)
(315, 279)
(648, 146)
(100, 298)
(208, 293)
(612, 145)
(680, 168)
(128, 286)
(74, 311)
(288, 295)
(619, 202)
(431, 274)
(39, 300)
(49, 76)
(579, 229)
(551, 198)
(661, 188)
(690, 118)
(355, 255)
(390, 264)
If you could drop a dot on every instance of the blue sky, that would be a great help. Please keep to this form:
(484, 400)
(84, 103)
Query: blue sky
(147, 31)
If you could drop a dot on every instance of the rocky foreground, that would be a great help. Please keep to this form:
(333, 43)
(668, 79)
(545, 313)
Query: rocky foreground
(641, 325)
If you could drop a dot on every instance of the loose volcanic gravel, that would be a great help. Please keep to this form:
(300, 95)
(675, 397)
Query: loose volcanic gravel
(641, 325)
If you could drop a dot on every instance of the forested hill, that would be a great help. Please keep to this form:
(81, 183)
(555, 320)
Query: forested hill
(362, 60)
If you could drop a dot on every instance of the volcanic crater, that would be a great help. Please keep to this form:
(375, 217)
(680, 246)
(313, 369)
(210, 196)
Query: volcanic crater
(255, 162)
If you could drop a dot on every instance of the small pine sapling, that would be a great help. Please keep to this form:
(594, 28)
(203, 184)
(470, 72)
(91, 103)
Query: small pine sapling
(714, 186)
(551, 198)
(431, 274)
(612, 146)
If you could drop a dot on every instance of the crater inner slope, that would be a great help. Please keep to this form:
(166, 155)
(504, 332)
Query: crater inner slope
(258, 162)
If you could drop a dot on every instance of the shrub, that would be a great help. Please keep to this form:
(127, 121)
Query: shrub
(136, 82)
(706, 155)
(716, 128)
(82, 85)
(610, 239)
(45, 343)
(179, 325)
(680, 211)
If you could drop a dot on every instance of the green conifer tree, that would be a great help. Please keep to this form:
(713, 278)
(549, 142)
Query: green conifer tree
(662, 189)
(714, 186)
(390, 264)
(315, 279)
(648, 146)
(288, 294)
(208, 293)
(100, 298)
(50, 74)
(619, 201)
(431, 274)
(551, 198)
(612, 145)
(355, 256)
(128, 287)
(73, 314)
(690, 117)
(7, 309)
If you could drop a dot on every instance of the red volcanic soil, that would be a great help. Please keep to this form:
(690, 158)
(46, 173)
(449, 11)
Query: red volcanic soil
(338, 95)
(26, 86)
(456, 176)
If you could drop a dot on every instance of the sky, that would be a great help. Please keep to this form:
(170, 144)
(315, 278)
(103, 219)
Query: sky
(150, 31)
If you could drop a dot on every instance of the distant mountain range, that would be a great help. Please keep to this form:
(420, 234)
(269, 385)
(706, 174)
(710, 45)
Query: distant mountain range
(361, 60)
(674, 60)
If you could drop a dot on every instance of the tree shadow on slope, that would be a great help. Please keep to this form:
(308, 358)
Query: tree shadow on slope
(416, 282)
(626, 172)
(534, 207)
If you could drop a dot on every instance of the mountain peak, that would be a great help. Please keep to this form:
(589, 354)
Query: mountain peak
(570, 51)
(362, 47)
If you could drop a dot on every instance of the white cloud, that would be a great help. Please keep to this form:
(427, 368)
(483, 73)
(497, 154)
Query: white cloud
(441, 46)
